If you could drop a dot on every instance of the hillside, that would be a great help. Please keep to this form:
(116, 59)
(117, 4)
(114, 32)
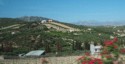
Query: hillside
(61, 27)
(49, 23)
(18, 36)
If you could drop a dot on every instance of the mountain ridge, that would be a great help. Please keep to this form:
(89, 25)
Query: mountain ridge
(86, 23)
(34, 18)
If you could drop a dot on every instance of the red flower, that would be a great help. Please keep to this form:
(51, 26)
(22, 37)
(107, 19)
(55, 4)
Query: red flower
(97, 61)
(92, 62)
(83, 60)
(108, 43)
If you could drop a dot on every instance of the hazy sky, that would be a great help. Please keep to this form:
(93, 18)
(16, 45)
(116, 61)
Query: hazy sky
(65, 10)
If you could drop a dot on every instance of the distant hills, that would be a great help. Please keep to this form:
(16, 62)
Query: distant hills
(86, 23)
(100, 23)
(32, 18)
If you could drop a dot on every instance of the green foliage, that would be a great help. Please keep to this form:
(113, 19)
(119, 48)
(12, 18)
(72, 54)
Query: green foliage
(34, 36)
(9, 21)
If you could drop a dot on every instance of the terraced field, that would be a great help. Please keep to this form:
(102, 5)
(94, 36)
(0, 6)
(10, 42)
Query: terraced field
(60, 27)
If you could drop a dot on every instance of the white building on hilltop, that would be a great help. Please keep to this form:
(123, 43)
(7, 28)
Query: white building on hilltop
(43, 21)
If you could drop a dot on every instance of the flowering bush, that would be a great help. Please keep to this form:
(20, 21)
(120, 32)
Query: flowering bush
(109, 53)
(87, 59)
(110, 47)
(107, 59)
